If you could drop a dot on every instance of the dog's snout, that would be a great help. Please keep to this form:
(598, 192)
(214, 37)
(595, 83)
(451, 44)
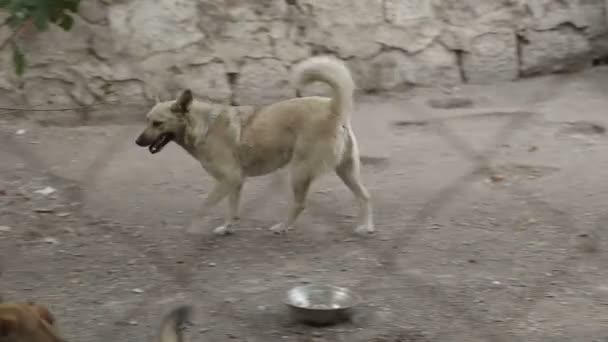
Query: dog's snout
(140, 141)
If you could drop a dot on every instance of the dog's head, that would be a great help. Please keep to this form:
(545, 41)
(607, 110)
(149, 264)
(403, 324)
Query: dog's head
(27, 322)
(165, 121)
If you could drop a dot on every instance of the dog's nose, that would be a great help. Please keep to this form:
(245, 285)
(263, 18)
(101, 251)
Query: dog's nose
(139, 141)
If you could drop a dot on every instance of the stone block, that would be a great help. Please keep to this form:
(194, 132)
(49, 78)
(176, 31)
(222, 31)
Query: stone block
(246, 39)
(93, 11)
(262, 81)
(333, 13)
(433, 66)
(561, 49)
(392, 70)
(411, 37)
(404, 12)
(339, 40)
(491, 57)
(142, 28)
(56, 46)
(207, 81)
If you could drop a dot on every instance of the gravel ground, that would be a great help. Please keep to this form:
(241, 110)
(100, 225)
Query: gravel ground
(490, 210)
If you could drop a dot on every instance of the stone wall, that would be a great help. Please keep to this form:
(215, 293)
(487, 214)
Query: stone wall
(241, 51)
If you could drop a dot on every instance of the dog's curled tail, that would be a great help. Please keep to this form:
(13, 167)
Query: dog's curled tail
(173, 323)
(332, 71)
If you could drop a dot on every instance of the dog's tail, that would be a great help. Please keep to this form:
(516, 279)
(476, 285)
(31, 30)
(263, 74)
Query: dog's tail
(173, 323)
(334, 72)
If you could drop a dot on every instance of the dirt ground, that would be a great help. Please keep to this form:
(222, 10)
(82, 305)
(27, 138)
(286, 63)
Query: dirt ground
(490, 214)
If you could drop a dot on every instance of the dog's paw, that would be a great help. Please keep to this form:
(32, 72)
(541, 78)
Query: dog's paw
(365, 229)
(223, 230)
(278, 229)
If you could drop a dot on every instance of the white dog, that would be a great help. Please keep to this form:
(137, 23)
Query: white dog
(308, 135)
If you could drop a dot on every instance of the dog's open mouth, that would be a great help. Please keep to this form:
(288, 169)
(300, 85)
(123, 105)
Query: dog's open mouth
(158, 144)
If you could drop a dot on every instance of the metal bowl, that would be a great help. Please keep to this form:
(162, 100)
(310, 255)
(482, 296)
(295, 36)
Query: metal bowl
(321, 304)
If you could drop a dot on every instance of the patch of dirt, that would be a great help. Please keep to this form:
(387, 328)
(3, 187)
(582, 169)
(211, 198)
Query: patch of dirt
(95, 227)
(518, 171)
(450, 102)
(582, 128)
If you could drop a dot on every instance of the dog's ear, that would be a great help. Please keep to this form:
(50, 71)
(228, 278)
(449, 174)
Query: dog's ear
(183, 102)
(8, 325)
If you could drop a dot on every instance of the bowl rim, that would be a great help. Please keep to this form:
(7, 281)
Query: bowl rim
(356, 299)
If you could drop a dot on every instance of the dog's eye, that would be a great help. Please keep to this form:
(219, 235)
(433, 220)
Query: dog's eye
(156, 123)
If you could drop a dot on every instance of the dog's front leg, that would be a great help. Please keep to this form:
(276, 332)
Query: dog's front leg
(219, 192)
(234, 198)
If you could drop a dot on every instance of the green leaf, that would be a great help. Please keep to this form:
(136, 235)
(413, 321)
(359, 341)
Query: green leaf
(66, 22)
(18, 58)
(41, 20)
(41, 14)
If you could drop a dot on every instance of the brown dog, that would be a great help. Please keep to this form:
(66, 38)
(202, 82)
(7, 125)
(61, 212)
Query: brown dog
(27, 322)
(30, 322)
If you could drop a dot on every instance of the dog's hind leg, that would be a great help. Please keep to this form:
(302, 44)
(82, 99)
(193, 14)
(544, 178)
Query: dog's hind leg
(349, 171)
(300, 182)
(234, 198)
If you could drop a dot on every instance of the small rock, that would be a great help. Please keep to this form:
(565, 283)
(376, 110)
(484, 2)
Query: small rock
(497, 178)
(20, 132)
(138, 291)
(211, 264)
(231, 300)
(46, 191)
(204, 330)
(587, 242)
(63, 214)
(434, 226)
(532, 149)
(44, 210)
(4, 229)
(50, 240)
(262, 308)
(450, 103)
